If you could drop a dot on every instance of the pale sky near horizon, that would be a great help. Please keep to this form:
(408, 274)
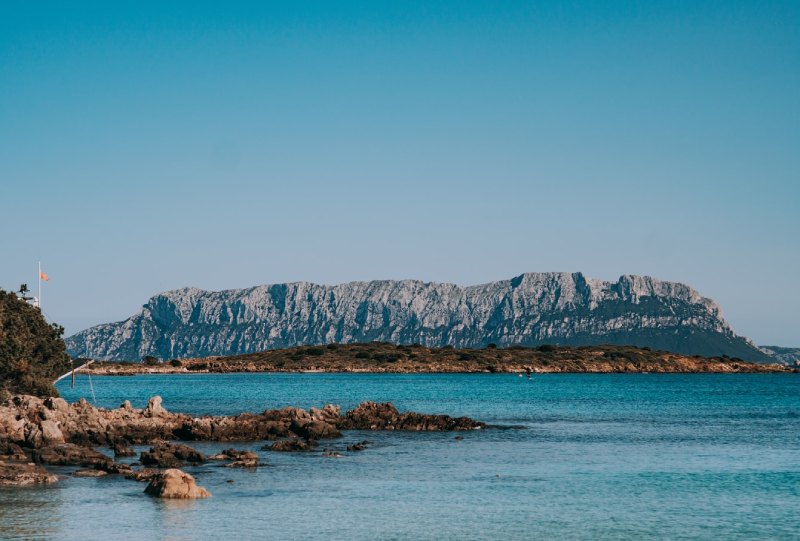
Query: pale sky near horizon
(147, 146)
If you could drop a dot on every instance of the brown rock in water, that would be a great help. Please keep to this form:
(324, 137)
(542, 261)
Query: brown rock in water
(121, 449)
(247, 463)
(360, 446)
(53, 425)
(174, 483)
(69, 454)
(24, 473)
(171, 455)
(241, 459)
(234, 454)
(374, 416)
(144, 474)
(291, 445)
(90, 473)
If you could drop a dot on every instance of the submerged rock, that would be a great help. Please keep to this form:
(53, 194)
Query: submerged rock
(291, 445)
(174, 483)
(90, 473)
(360, 446)
(241, 459)
(144, 474)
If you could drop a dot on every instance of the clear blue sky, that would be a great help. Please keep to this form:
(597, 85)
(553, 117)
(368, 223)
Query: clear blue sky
(149, 146)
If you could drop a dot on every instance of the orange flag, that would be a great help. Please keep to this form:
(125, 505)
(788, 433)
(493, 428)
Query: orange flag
(43, 276)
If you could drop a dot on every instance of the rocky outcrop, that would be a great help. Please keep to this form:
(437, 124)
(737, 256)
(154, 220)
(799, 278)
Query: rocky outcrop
(374, 416)
(171, 455)
(784, 355)
(174, 483)
(81, 426)
(23, 474)
(239, 459)
(53, 432)
(530, 309)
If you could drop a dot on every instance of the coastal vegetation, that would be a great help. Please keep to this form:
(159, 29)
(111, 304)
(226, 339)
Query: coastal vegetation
(32, 352)
(385, 357)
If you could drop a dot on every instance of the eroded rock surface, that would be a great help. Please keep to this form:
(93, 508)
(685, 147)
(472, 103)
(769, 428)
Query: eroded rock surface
(374, 416)
(53, 432)
(171, 455)
(174, 483)
(23, 474)
(531, 309)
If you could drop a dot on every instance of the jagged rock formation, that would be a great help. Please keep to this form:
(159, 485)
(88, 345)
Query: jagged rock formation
(790, 356)
(530, 309)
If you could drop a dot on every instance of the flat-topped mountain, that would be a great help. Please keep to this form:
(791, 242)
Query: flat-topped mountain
(530, 309)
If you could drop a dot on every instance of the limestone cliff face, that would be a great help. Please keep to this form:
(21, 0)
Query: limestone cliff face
(530, 309)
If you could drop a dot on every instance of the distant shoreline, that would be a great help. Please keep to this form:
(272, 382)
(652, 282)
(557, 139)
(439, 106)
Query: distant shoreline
(382, 358)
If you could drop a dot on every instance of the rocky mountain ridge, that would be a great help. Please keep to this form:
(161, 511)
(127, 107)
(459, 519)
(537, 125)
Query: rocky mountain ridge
(530, 309)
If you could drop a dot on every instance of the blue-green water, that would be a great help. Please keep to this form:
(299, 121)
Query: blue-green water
(633, 456)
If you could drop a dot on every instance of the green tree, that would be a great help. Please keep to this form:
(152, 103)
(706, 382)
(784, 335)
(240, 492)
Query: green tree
(32, 351)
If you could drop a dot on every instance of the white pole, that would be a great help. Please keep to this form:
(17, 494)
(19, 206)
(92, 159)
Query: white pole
(39, 278)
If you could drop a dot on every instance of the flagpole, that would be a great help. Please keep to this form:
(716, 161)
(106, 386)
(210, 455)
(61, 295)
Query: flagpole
(39, 278)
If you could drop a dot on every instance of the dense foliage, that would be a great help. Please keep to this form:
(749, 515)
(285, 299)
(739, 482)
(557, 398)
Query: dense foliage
(32, 352)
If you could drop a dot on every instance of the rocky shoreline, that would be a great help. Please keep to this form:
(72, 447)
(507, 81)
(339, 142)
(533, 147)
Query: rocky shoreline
(37, 432)
(380, 357)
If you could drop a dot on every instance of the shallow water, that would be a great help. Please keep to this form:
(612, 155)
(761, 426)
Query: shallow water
(580, 456)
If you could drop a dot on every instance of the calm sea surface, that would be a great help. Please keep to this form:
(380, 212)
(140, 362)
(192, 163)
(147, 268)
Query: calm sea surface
(634, 456)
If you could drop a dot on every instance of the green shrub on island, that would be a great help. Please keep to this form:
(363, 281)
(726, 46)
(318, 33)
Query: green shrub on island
(32, 351)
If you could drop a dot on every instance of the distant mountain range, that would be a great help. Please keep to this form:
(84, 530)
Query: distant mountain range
(530, 309)
(783, 355)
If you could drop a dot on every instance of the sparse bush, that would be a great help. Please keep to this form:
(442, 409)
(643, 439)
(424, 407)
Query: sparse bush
(332, 347)
(386, 357)
(315, 351)
(149, 360)
(492, 346)
(363, 355)
(175, 363)
(546, 348)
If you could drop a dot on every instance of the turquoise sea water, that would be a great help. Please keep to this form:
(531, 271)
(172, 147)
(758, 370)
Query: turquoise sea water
(628, 456)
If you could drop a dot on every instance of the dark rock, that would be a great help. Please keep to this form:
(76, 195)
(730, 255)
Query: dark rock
(69, 454)
(12, 451)
(360, 446)
(171, 455)
(374, 416)
(121, 449)
(248, 463)
(142, 475)
(234, 454)
(291, 445)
